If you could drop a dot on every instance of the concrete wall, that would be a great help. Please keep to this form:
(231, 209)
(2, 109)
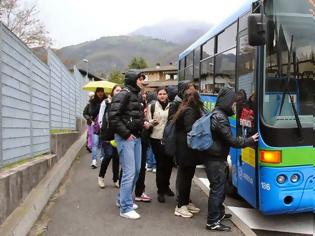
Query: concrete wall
(17, 183)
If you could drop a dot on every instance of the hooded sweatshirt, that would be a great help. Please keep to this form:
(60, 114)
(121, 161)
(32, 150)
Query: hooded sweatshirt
(222, 135)
(126, 114)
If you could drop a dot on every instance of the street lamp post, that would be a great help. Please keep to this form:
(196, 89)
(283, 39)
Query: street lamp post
(87, 68)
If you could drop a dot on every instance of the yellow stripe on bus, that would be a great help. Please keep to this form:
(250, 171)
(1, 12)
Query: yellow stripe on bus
(248, 156)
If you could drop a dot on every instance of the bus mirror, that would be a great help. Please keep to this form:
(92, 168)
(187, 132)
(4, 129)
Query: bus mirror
(256, 30)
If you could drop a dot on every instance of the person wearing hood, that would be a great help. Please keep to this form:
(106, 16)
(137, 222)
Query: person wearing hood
(126, 117)
(172, 91)
(215, 159)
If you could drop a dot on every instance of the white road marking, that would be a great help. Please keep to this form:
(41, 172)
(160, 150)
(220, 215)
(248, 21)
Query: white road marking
(293, 223)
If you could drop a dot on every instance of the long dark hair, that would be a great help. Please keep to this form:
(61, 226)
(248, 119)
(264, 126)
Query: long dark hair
(96, 99)
(191, 99)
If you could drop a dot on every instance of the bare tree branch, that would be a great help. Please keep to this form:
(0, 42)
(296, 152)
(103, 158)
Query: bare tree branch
(23, 22)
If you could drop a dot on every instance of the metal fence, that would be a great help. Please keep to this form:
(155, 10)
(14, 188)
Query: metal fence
(34, 99)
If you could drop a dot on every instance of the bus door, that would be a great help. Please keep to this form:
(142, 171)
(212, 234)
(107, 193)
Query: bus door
(245, 165)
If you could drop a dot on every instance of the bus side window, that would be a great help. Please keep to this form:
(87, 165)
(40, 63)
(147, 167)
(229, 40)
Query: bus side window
(246, 86)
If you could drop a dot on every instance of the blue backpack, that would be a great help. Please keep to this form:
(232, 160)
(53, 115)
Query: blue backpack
(200, 137)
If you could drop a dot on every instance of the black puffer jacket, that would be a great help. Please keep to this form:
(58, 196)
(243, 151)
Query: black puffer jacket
(92, 109)
(126, 115)
(221, 129)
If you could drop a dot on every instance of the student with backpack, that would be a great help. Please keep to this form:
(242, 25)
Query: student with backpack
(157, 117)
(215, 158)
(106, 137)
(188, 112)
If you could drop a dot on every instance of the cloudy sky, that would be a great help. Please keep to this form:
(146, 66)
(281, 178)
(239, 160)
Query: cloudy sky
(75, 21)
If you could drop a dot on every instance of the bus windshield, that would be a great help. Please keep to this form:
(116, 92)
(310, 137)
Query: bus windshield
(290, 64)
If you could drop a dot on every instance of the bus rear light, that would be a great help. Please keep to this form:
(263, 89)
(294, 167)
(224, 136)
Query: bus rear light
(281, 179)
(273, 157)
(295, 178)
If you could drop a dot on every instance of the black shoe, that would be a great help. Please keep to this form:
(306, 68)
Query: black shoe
(218, 226)
(161, 198)
(89, 150)
(226, 217)
(169, 193)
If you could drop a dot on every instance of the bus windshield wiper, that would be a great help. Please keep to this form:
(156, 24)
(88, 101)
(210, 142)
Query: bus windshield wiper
(288, 92)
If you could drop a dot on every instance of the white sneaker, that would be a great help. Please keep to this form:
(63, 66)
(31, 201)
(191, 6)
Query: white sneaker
(133, 215)
(116, 184)
(101, 182)
(94, 164)
(134, 206)
(154, 170)
(192, 208)
(183, 212)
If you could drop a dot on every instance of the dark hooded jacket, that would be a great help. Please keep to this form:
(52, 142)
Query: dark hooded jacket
(92, 109)
(222, 135)
(126, 113)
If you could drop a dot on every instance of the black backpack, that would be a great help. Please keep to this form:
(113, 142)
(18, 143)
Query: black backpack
(152, 110)
(169, 138)
(106, 132)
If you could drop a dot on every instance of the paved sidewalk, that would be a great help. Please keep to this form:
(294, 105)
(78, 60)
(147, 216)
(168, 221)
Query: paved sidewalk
(81, 208)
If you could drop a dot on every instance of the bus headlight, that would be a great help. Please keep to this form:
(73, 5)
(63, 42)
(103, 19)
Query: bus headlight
(295, 178)
(281, 179)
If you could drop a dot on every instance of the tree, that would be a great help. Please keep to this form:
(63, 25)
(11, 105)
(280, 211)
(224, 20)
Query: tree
(22, 21)
(116, 77)
(137, 63)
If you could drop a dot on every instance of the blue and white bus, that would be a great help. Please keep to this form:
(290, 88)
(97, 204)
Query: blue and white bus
(266, 49)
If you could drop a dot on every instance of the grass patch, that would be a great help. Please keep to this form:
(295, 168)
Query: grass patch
(61, 131)
(21, 162)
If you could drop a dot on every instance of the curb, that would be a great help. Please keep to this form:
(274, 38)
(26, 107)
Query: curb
(20, 222)
(241, 225)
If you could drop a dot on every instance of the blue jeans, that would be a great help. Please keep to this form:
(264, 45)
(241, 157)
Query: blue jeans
(96, 150)
(130, 161)
(151, 163)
